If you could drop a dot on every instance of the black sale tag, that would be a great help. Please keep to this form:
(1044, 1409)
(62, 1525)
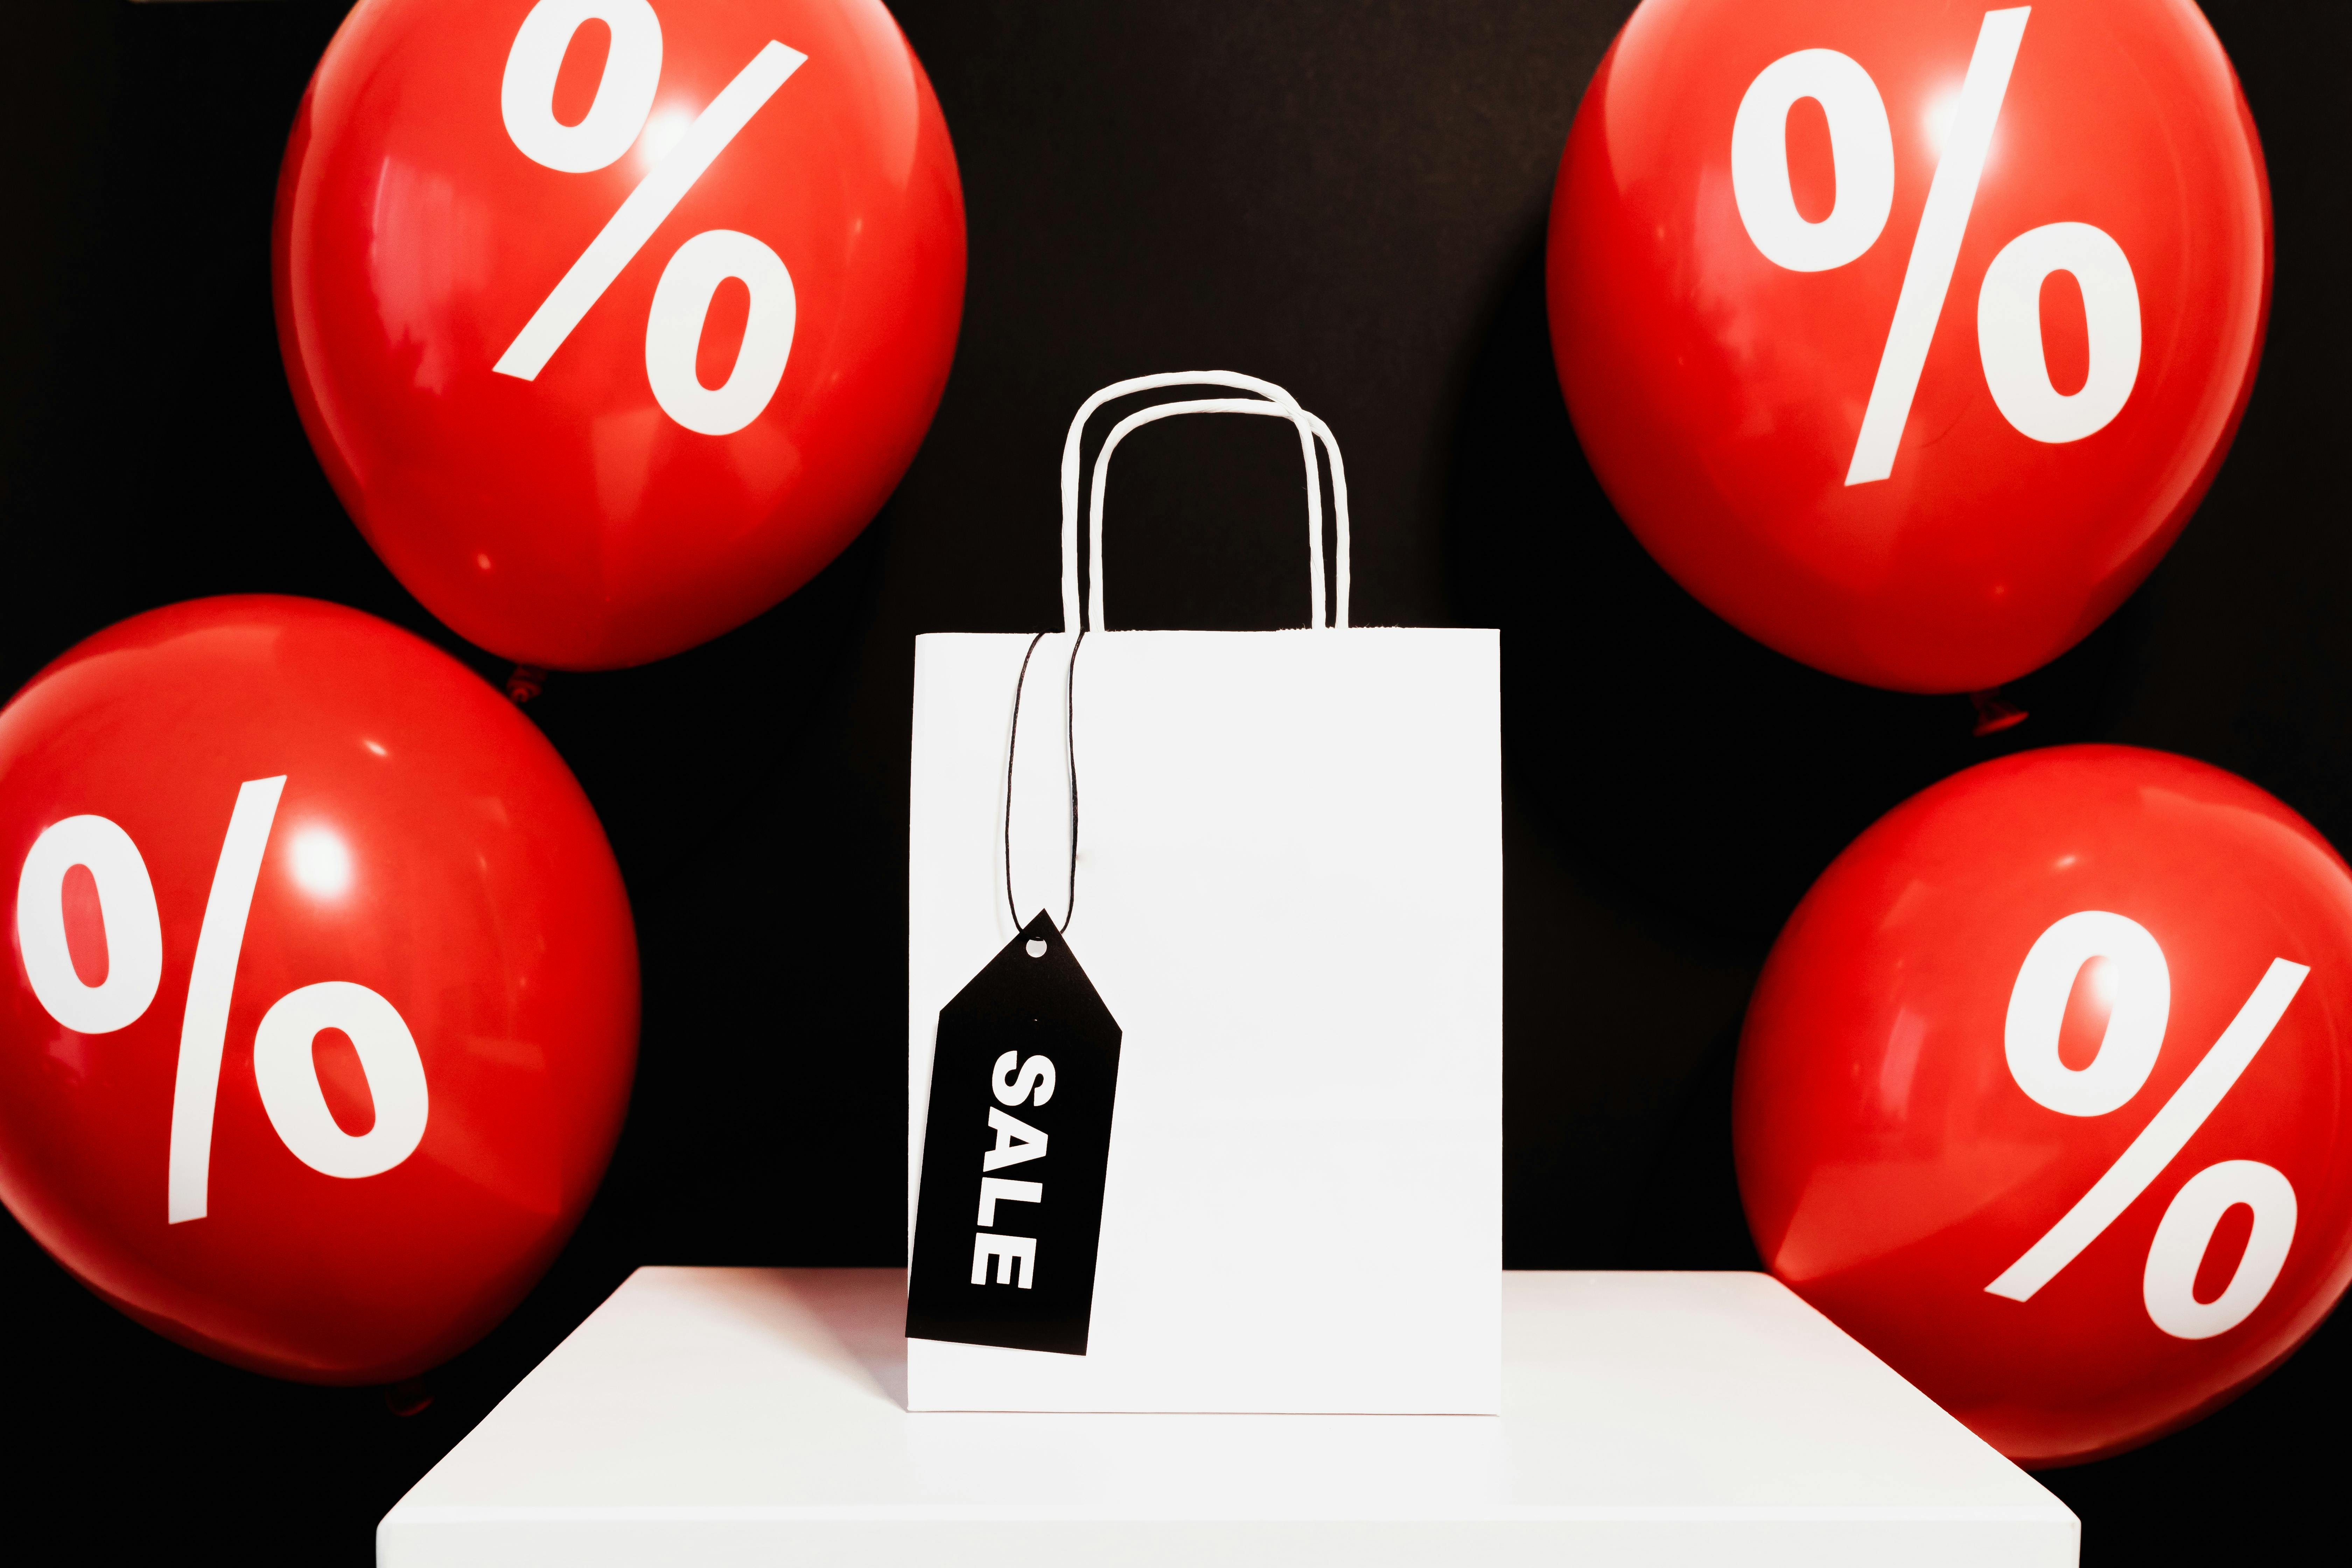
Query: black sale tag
(1009, 1213)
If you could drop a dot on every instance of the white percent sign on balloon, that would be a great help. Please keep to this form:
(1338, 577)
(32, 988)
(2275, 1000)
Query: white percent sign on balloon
(615, 118)
(2139, 990)
(2009, 302)
(284, 1068)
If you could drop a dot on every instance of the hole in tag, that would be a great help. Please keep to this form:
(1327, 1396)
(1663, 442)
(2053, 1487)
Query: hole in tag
(1036, 947)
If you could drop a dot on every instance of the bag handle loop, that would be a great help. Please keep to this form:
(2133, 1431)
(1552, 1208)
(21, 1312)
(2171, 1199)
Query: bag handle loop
(1274, 401)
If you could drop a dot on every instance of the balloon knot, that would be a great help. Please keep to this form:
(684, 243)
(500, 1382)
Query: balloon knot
(409, 1396)
(530, 680)
(1994, 711)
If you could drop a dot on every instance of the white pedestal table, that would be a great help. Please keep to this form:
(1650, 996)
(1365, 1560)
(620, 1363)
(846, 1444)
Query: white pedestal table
(750, 1415)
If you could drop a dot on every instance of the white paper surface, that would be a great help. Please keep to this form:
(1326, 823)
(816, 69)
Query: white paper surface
(1290, 894)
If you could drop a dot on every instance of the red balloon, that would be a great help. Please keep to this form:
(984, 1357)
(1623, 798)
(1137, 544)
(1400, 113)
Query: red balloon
(2044, 1094)
(323, 1001)
(613, 322)
(1907, 336)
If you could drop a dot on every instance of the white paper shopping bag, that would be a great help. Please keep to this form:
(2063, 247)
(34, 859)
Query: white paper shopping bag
(1217, 1118)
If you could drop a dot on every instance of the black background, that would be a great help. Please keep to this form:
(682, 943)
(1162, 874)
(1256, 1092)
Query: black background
(1347, 198)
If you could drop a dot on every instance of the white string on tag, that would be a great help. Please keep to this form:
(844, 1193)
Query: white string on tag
(1070, 760)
